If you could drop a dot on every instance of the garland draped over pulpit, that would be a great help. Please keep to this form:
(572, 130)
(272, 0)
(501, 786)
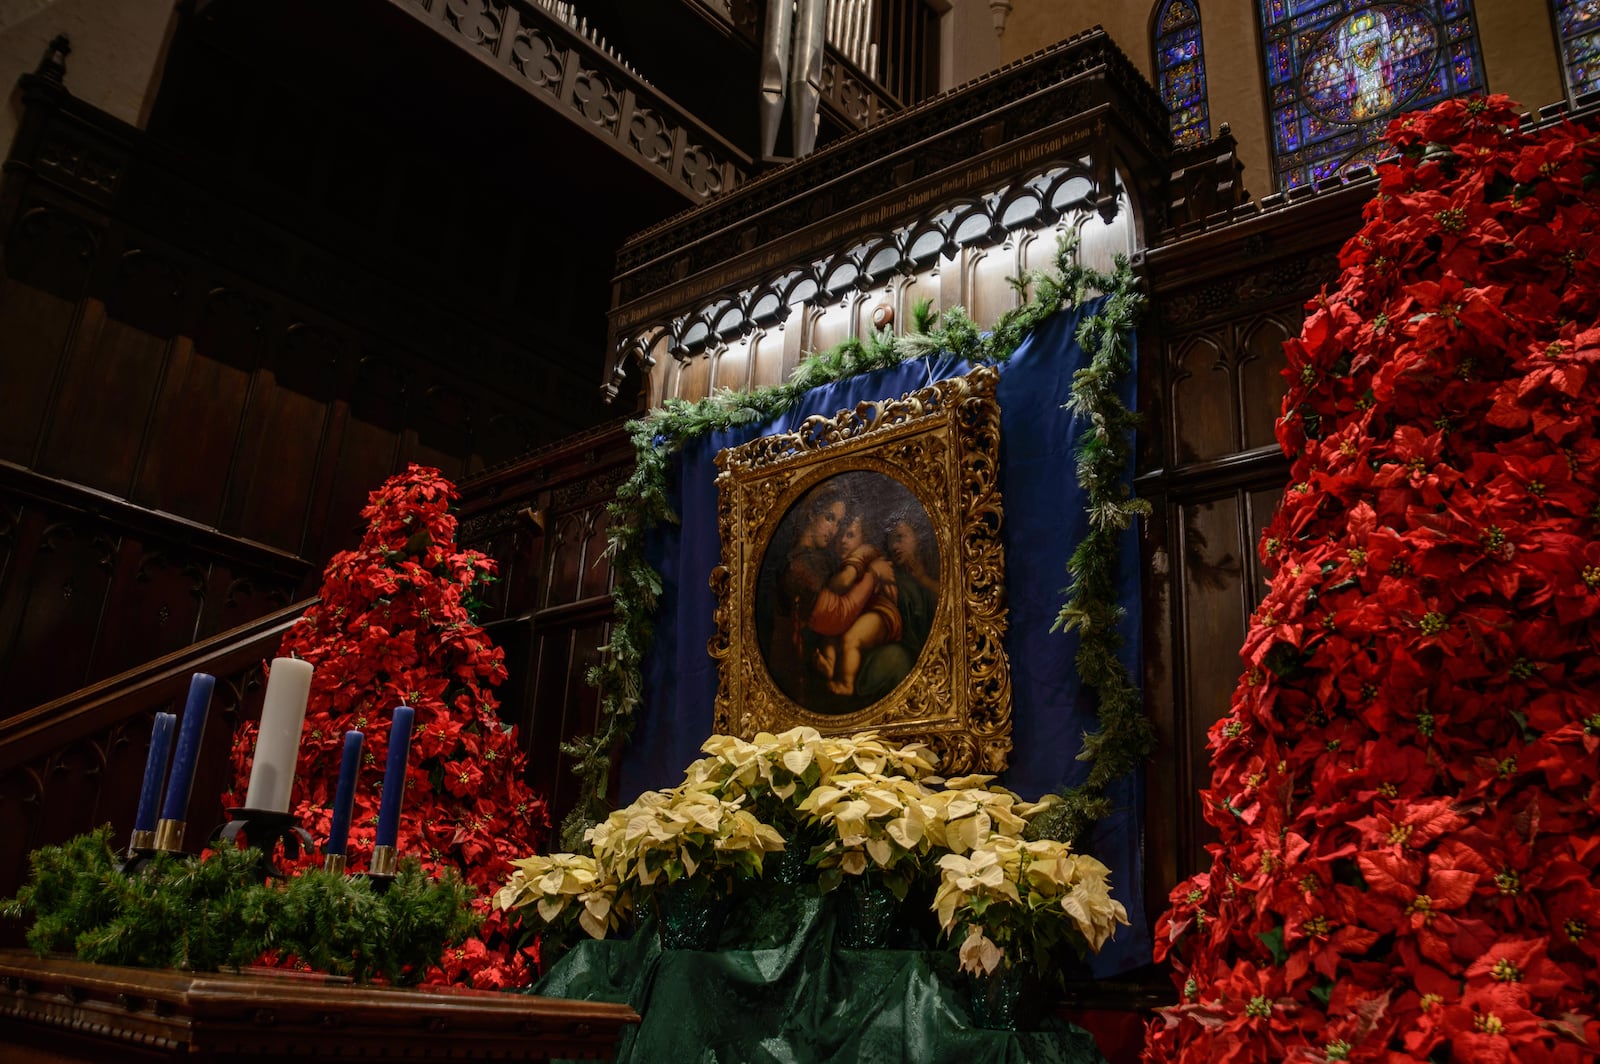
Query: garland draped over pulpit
(1045, 515)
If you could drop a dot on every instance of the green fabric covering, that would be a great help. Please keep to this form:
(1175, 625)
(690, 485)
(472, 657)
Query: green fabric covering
(779, 991)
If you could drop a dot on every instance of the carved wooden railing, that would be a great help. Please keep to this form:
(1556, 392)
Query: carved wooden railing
(946, 201)
(550, 51)
(92, 585)
(70, 765)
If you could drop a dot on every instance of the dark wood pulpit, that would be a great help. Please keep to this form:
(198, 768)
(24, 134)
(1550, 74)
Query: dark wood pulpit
(56, 1009)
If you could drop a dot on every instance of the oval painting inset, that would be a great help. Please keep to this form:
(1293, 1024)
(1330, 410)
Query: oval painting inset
(1370, 63)
(847, 591)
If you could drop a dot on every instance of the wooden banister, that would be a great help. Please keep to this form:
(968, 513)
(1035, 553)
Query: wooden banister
(91, 709)
(72, 764)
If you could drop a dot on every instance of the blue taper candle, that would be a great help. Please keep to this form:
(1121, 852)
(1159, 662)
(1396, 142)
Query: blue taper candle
(394, 777)
(155, 771)
(191, 730)
(344, 797)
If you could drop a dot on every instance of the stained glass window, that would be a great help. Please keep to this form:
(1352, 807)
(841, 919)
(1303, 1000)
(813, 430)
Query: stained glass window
(1181, 70)
(1339, 70)
(1578, 25)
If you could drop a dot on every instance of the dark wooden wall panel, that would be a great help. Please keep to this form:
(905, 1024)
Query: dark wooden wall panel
(59, 586)
(156, 597)
(280, 478)
(1202, 401)
(595, 575)
(35, 326)
(1261, 383)
(194, 429)
(235, 596)
(1224, 301)
(98, 422)
(1213, 622)
(90, 587)
(367, 454)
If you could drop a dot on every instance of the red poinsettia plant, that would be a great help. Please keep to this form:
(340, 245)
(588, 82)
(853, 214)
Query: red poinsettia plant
(394, 627)
(1407, 788)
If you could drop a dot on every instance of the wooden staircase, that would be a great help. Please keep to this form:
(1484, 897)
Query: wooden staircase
(69, 765)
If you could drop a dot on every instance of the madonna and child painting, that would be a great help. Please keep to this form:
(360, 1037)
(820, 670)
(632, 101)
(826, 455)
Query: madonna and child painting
(847, 591)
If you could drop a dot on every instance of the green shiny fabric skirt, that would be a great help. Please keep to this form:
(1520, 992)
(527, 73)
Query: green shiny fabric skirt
(781, 990)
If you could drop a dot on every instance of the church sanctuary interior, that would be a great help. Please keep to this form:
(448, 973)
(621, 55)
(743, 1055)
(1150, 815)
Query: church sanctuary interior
(259, 256)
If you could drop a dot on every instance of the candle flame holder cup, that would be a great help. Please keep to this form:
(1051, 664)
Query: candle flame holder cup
(141, 848)
(169, 835)
(334, 862)
(382, 867)
(263, 829)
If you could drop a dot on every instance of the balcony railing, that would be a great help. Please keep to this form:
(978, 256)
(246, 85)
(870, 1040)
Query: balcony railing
(550, 48)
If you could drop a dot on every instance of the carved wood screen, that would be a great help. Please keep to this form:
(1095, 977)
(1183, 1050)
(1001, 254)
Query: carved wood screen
(544, 519)
(947, 202)
(1224, 298)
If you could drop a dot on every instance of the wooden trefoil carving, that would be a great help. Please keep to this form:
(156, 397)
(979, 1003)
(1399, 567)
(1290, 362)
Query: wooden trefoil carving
(862, 578)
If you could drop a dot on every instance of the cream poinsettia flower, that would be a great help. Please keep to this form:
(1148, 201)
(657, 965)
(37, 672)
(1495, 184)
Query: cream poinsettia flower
(1089, 901)
(978, 954)
(554, 883)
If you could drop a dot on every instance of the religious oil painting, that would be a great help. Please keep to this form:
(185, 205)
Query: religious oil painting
(862, 576)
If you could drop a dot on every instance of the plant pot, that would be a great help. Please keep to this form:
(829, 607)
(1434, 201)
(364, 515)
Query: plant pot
(789, 867)
(689, 913)
(1013, 997)
(866, 913)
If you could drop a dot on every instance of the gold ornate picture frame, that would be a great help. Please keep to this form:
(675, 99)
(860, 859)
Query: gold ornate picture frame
(862, 583)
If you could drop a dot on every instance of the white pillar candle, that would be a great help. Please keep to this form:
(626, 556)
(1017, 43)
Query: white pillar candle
(278, 741)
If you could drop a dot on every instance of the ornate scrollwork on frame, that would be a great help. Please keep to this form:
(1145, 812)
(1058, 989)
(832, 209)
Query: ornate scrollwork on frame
(862, 582)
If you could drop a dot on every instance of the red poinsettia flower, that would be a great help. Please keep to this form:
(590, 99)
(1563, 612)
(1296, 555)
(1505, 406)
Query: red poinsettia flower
(1406, 792)
(391, 629)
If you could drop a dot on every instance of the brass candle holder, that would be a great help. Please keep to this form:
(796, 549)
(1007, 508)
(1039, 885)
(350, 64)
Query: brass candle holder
(169, 835)
(385, 861)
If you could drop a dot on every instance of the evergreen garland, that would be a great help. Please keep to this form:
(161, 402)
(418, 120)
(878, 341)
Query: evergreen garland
(202, 914)
(1125, 737)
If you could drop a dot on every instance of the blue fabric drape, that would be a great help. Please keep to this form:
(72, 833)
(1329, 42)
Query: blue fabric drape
(1044, 518)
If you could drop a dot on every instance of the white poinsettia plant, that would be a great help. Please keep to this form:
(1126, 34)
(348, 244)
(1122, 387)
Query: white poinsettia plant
(776, 773)
(968, 810)
(855, 806)
(687, 831)
(562, 887)
(871, 823)
(1020, 899)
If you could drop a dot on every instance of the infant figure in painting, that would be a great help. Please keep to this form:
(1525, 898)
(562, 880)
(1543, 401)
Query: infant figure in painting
(839, 657)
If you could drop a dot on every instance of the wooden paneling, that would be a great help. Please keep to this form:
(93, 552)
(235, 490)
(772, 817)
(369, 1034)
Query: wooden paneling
(35, 325)
(193, 432)
(99, 416)
(544, 520)
(1211, 383)
(62, 570)
(90, 587)
(1202, 401)
(1260, 372)
(277, 484)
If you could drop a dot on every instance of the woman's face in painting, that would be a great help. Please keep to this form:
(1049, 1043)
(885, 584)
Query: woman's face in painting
(824, 525)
